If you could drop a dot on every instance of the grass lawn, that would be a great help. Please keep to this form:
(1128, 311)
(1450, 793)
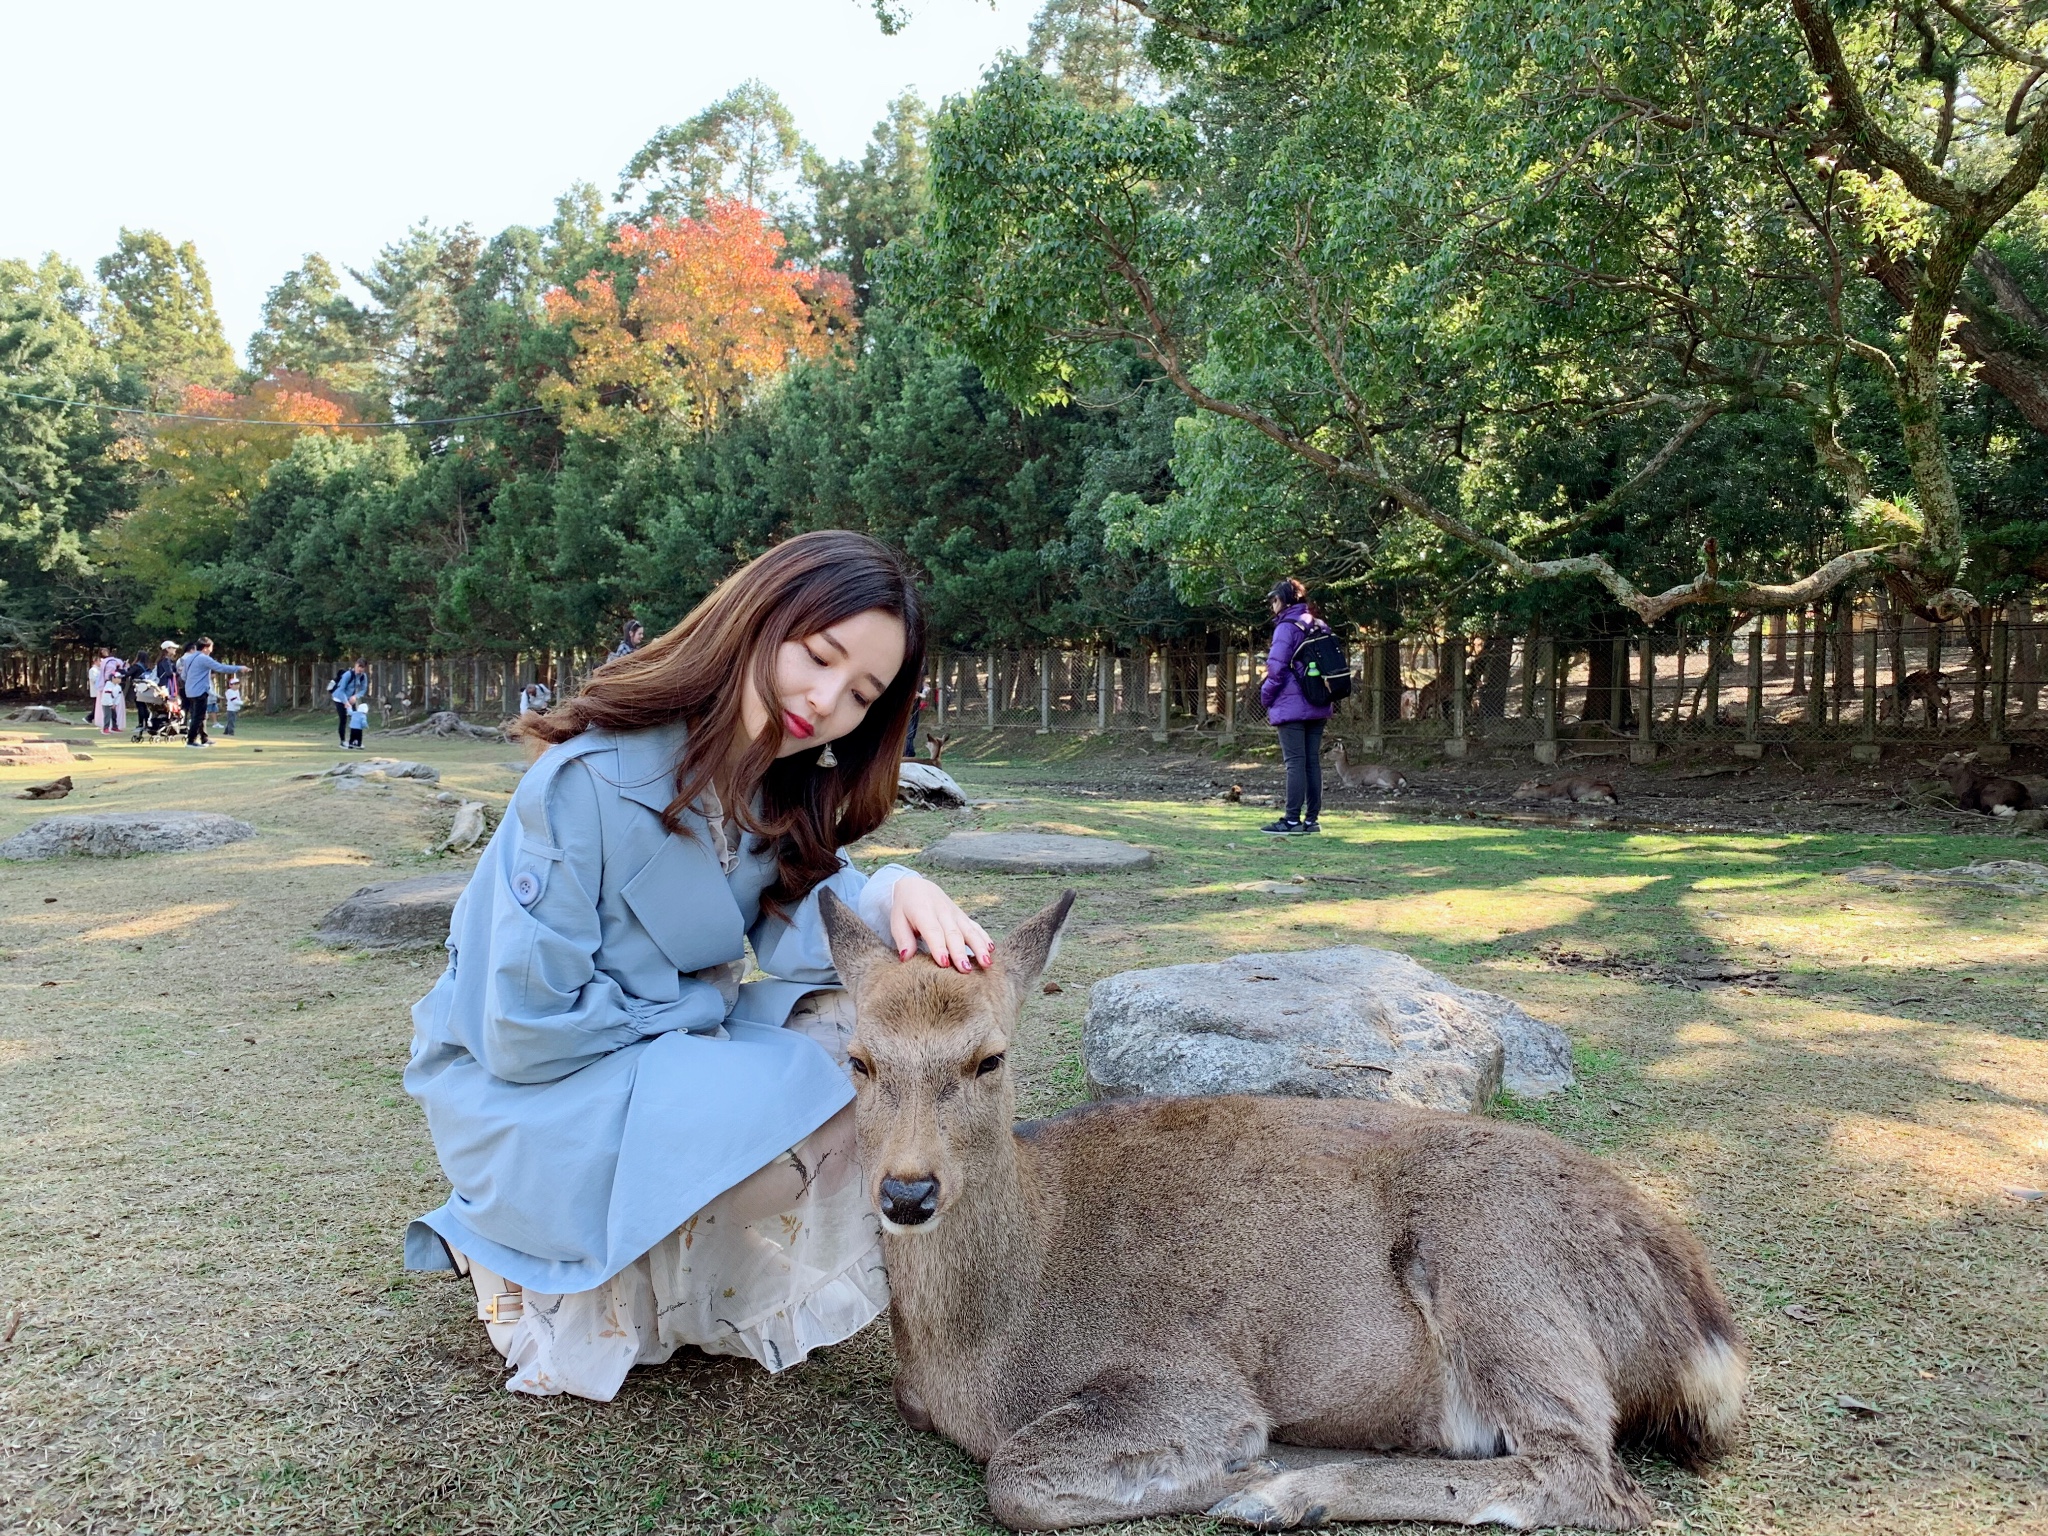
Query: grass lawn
(208, 1160)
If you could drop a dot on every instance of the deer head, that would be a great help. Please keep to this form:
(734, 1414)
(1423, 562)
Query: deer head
(933, 1094)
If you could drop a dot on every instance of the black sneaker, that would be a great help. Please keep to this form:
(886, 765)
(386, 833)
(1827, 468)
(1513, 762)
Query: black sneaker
(1310, 826)
(1282, 828)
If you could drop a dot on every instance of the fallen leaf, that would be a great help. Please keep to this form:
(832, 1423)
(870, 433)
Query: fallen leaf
(1856, 1405)
(2026, 1196)
(1051, 987)
(1800, 1314)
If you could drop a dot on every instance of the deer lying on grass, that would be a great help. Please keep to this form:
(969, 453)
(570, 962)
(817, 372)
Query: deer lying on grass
(1377, 777)
(1117, 1310)
(1580, 788)
(1976, 790)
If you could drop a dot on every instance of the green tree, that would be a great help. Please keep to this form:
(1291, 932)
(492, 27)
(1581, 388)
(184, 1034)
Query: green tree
(1408, 247)
(744, 147)
(859, 207)
(1096, 48)
(159, 315)
(65, 469)
(311, 327)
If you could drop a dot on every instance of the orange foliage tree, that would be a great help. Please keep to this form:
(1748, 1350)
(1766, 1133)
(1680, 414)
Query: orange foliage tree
(200, 478)
(713, 315)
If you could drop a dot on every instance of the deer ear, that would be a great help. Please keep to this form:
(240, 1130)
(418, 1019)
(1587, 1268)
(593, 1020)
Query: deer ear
(856, 950)
(1026, 950)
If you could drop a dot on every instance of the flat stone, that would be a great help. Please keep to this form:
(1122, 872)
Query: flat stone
(1346, 1023)
(378, 769)
(1998, 877)
(121, 834)
(928, 787)
(396, 914)
(20, 752)
(1020, 852)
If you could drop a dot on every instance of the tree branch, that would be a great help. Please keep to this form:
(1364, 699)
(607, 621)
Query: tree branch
(1853, 115)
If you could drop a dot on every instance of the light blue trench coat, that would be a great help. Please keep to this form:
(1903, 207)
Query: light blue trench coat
(586, 1093)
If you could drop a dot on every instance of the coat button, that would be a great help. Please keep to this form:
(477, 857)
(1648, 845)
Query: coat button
(526, 888)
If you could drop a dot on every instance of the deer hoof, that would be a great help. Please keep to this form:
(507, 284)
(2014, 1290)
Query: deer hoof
(1263, 1513)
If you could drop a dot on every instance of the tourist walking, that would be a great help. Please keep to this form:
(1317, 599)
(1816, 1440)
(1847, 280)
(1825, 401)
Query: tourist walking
(113, 708)
(631, 638)
(196, 669)
(231, 706)
(351, 682)
(1298, 721)
(647, 1152)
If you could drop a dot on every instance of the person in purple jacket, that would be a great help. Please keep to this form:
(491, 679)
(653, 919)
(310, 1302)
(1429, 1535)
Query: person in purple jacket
(1300, 723)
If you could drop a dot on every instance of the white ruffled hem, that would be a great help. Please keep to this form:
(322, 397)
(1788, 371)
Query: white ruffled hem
(787, 1261)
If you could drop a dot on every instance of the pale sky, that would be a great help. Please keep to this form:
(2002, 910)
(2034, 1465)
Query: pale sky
(264, 131)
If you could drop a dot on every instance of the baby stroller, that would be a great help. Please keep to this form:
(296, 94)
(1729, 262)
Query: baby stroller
(153, 711)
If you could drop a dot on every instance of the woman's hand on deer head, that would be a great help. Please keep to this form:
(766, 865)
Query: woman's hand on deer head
(826, 683)
(919, 912)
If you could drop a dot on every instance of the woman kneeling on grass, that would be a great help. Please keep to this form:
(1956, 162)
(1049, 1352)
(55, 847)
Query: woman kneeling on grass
(645, 1151)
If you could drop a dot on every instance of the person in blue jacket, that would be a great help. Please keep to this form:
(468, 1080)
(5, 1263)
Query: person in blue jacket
(1300, 723)
(646, 1151)
(196, 669)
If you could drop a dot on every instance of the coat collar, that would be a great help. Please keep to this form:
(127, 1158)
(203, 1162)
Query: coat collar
(647, 763)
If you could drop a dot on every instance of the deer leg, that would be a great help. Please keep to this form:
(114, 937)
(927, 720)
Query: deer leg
(1125, 1447)
(1521, 1492)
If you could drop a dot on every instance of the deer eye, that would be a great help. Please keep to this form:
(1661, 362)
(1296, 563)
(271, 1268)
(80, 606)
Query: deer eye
(860, 1068)
(988, 1065)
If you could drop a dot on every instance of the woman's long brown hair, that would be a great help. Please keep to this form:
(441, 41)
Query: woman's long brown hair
(698, 672)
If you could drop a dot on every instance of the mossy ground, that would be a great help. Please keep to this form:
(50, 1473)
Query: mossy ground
(208, 1159)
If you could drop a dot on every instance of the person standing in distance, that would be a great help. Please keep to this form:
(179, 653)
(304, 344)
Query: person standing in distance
(631, 638)
(1299, 722)
(350, 683)
(195, 680)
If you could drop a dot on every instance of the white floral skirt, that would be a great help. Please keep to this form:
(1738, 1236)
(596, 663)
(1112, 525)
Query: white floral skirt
(786, 1261)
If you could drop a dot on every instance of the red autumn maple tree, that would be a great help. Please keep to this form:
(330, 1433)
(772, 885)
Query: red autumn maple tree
(713, 315)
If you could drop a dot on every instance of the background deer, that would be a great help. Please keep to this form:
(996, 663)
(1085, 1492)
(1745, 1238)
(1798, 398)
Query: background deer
(1373, 776)
(1580, 788)
(1119, 1309)
(1976, 790)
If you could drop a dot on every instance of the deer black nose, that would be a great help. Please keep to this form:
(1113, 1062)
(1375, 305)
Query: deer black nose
(910, 1202)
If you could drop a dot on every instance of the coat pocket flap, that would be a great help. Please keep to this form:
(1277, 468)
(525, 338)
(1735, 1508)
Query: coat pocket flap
(681, 899)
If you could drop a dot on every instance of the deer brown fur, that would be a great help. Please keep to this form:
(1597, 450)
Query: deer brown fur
(1377, 777)
(1120, 1309)
(1976, 790)
(1577, 787)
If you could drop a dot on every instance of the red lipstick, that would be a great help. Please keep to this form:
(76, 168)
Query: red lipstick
(800, 728)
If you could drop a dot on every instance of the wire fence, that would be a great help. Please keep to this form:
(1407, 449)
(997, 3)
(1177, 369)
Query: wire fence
(1866, 679)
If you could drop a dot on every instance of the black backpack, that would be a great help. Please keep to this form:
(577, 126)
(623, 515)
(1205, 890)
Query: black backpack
(1321, 667)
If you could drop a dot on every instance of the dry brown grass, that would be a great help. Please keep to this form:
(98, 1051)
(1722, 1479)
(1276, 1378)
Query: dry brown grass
(208, 1162)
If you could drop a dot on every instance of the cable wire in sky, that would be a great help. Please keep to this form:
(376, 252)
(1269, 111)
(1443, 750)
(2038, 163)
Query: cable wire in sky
(244, 421)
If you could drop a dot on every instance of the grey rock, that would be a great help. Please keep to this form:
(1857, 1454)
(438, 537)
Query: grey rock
(39, 714)
(122, 834)
(1347, 1023)
(1020, 852)
(378, 769)
(929, 787)
(397, 914)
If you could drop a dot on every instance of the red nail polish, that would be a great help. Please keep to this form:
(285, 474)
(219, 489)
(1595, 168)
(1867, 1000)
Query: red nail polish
(902, 954)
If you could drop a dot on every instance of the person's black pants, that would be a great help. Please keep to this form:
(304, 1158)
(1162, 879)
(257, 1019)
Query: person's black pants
(195, 717)
(341, 723)
(355, 736)
(1301, 745)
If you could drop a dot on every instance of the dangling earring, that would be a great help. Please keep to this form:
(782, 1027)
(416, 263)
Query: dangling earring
(826, 759)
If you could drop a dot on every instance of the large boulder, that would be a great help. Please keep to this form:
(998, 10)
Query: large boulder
(1347, 1023)
(928, 787)
(397, 914)
(1023, 852)
(121, 834)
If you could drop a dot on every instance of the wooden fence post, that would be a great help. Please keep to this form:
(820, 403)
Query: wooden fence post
(1375, 658)
(1866, 749)
(1753, 710)
(2001, 677)
(1165, 663)
(1644, 748)
(1452, 657)
(1227, 676)
(1045, 692)
(1546, 668)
